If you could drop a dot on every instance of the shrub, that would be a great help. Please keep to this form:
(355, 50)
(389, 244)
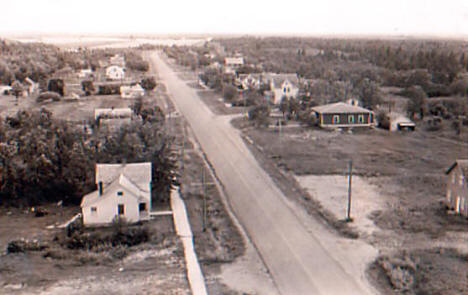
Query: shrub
(19, 246)
(260, 115)
(88, 87)
(56, 85)
(229, 92)
(109, 89)
(48, 95)
(383, 120)
(400, 271)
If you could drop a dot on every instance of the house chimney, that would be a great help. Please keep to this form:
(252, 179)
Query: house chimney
(100, 188)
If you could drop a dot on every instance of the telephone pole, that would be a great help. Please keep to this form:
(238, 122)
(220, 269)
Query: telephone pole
(350, 182)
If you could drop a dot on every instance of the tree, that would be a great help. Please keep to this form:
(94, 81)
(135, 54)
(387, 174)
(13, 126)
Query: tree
(368, 92)
(148, 83)
(260, 115)
(88, 87)
(56, 85)
(229, 92)
(417, 101)
(17, 89)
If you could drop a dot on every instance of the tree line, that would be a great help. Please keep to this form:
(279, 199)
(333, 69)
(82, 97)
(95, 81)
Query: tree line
(43, 159)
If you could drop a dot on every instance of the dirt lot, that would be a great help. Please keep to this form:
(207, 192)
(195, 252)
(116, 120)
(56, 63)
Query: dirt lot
(155, 267)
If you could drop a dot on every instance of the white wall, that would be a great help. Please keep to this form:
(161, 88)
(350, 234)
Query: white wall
(107, 207)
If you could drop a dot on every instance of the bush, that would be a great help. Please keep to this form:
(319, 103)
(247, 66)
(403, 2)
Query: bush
(400, 271)
(260, 115)
(109, 89)
(383, 120)
(56, 85)
(48, 95)
(88, 87)
(21, 246)
(229, 92)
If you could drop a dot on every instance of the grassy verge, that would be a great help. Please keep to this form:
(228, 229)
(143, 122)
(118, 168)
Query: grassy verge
(217, 106)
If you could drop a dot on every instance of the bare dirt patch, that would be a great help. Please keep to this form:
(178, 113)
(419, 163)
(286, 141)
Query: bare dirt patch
(155, 267)
(331, 191)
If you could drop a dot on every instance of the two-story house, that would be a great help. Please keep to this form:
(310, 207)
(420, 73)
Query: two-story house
(123, 190)
(457, 187)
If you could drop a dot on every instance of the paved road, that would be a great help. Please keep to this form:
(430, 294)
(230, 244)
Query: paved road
(298, 262)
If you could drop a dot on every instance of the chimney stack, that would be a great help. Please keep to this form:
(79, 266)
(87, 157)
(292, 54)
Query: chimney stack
(100, 188)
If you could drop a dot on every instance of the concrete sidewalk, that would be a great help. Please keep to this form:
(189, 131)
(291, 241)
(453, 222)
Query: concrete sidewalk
(182, 226)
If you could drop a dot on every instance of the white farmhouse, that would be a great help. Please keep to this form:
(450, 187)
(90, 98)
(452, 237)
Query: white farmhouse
(124, 190)
(283, 85)
(115, 72)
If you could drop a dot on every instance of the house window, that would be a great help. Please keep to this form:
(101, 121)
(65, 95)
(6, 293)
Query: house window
(449, 196)
(93, 210)
(361, 119)
(120, 209)
(142, 207)
(454, 178)
(120, 193)
(351, 119)
(336, 119)
(461, 179)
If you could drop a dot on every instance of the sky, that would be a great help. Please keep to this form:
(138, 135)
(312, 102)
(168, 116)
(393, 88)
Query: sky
(357, 17)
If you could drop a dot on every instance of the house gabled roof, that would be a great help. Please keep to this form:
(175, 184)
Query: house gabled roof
(278, 79)
(113, 113)
(122, 181)
(462, 163)
(234, 60)
(339, 108)
(137, 173)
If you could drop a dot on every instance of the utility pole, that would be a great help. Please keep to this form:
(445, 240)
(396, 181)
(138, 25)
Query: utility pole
(204, 199)
(350, 181)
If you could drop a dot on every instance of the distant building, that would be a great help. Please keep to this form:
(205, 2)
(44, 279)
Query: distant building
(231, 64)
(234, 62)
(117, 60)
(341, 114)
(115, 73)
(123, 190)
(132, 91)
(86, 73)
(399, 122)
(282, 85)
(5, 90)
(113, 117)
(457, 187)
(250, 81)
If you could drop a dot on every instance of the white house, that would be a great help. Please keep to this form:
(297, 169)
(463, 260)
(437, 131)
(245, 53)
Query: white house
(283, 85)
(132, 91)
(124, 190)
(117, 60)
(5, 89)
(115, 72)
(85, 73)
(231, 64)
(250, 81)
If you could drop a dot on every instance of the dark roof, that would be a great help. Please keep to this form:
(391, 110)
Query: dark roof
(339, 108)
(462, 163)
